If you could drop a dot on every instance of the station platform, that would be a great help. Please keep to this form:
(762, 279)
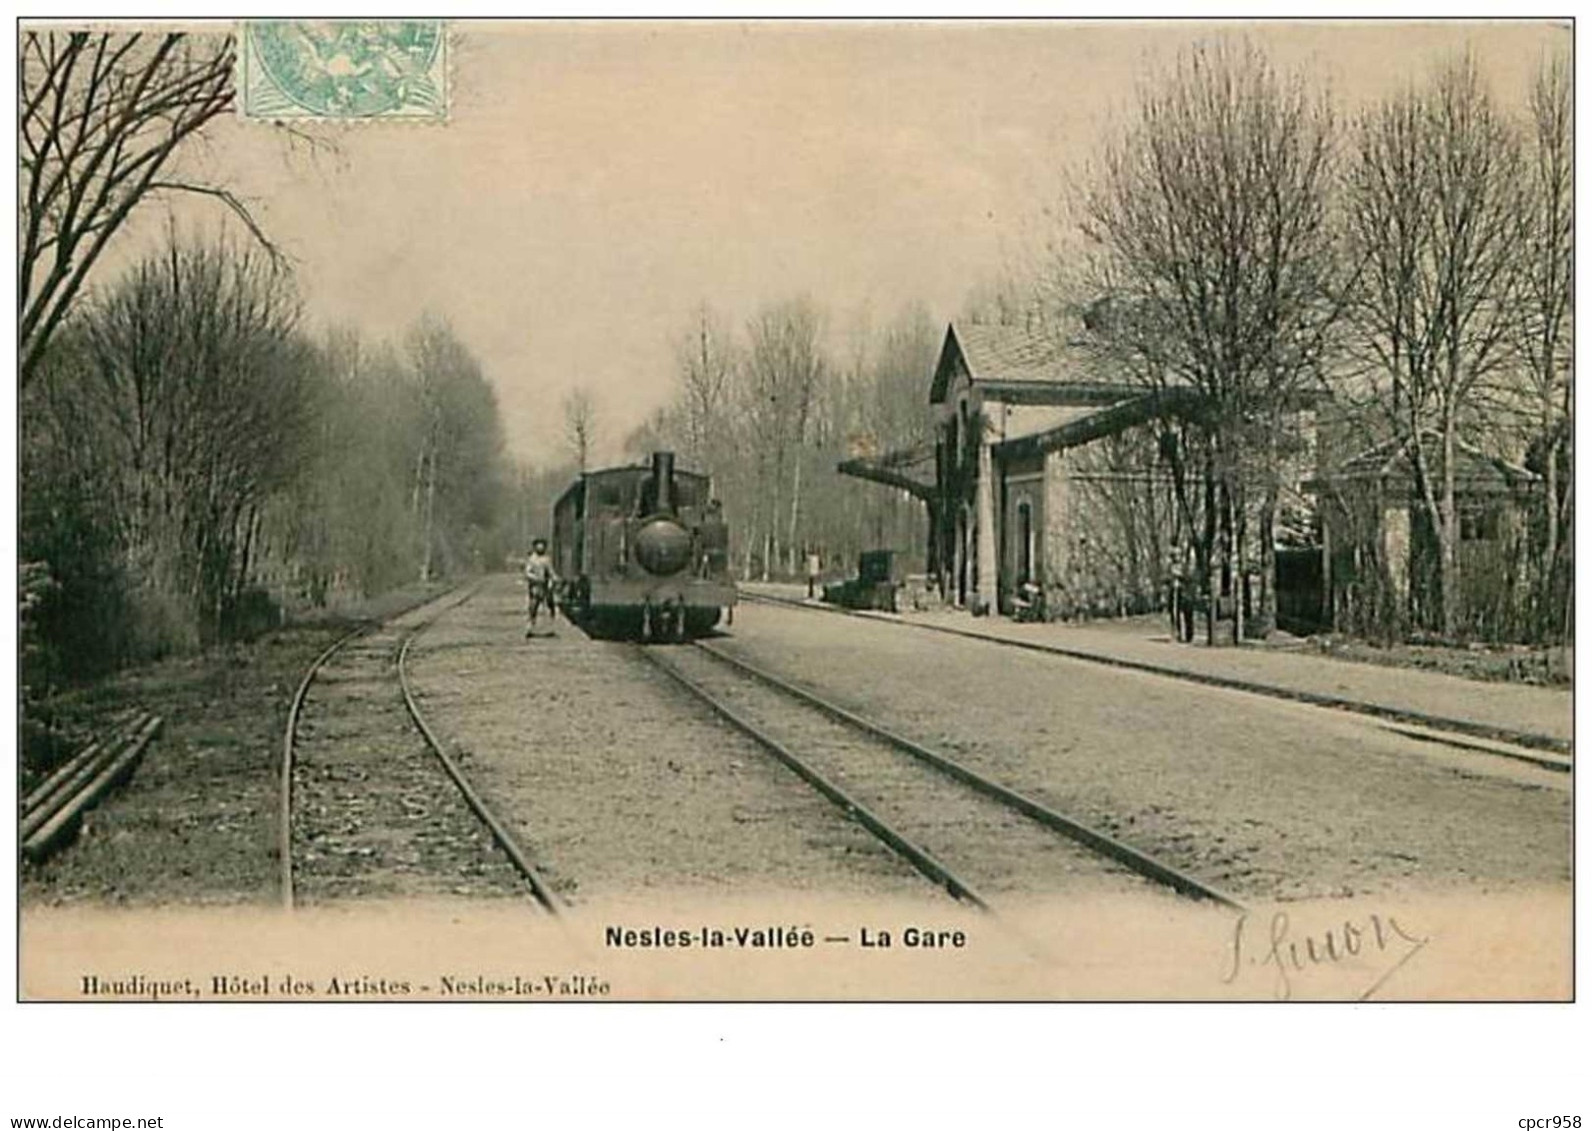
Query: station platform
(1537, 716)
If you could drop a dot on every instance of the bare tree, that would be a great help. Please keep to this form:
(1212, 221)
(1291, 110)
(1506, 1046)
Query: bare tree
(896, 405)
(665, 430)
(100, 116)
(460, 470)
(706, 368)
(881, 412)
(1547, 247)
(784, 367)
(1432, 201)
(203, 386)
(580, 424)
(1209, 222)
(348, 523)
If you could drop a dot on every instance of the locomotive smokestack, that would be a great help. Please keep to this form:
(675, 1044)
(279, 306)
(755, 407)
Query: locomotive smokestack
(663, 482)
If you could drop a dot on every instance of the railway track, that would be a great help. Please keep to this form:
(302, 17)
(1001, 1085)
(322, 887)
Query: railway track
(1532, 749)
(392, 641)
(966, 833)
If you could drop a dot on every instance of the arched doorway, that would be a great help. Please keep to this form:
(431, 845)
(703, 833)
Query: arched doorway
(1025, 543)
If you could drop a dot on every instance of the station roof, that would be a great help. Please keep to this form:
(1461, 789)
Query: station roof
(1014, 364)
(1392, 461)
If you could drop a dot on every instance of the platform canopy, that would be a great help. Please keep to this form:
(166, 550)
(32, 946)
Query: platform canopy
(908, 469)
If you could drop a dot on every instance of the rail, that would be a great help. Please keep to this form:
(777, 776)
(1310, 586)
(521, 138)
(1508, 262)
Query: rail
(1125, 854)
(499, 831)
(919, 857)
(1540, 750)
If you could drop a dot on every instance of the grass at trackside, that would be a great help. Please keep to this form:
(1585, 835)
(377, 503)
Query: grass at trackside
(197, 822)
(1542, 666)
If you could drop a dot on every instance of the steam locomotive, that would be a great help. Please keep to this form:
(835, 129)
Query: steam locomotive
(644, 551)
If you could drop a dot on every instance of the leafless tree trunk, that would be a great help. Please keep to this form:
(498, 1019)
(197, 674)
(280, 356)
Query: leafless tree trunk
(458, 430)
(792, 550)
(428, 535)
(580, 425)
(1547, 254)
(1432, 206)
(782, 372)
(1268, 562)
(1214, 259)
(706, 368)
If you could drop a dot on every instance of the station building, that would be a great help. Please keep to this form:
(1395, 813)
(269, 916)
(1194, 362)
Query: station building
(1013, 408)
(1012, 497)
(1040, 454)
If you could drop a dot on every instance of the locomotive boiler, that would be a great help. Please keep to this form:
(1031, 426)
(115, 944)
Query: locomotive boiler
(644, 551)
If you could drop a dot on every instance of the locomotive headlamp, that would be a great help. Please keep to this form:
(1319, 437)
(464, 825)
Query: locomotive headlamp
(663, 547)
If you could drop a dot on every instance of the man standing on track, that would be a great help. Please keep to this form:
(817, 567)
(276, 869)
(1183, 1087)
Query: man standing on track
(539, 581)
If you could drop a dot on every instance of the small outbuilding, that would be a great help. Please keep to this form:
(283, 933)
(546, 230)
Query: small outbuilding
(1378, 546)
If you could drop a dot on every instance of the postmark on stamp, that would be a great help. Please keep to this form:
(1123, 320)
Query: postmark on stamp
(342, 70)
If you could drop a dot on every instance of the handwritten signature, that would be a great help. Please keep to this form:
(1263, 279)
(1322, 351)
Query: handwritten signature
(1290, 957)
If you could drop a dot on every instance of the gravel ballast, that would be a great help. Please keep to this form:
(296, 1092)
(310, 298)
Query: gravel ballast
(1267, 799)
(616, 781)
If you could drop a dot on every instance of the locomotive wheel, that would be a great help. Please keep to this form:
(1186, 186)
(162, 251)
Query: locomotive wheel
(699, 620)
(617, 624)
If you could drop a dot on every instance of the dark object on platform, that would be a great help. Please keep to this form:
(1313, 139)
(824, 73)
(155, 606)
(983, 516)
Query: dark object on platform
(52, 812)
(1028, 604)
(879, 567)
(879, 579)
(643, 551)
(1302, 607)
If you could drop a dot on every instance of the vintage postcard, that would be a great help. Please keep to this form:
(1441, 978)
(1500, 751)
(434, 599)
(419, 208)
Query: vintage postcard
(563, 512)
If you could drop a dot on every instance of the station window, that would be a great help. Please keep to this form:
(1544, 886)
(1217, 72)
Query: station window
(1479, 523)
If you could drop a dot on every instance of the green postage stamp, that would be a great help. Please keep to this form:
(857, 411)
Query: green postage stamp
(342, 70)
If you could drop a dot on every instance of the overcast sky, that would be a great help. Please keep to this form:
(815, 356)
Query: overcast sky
(595, 183)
